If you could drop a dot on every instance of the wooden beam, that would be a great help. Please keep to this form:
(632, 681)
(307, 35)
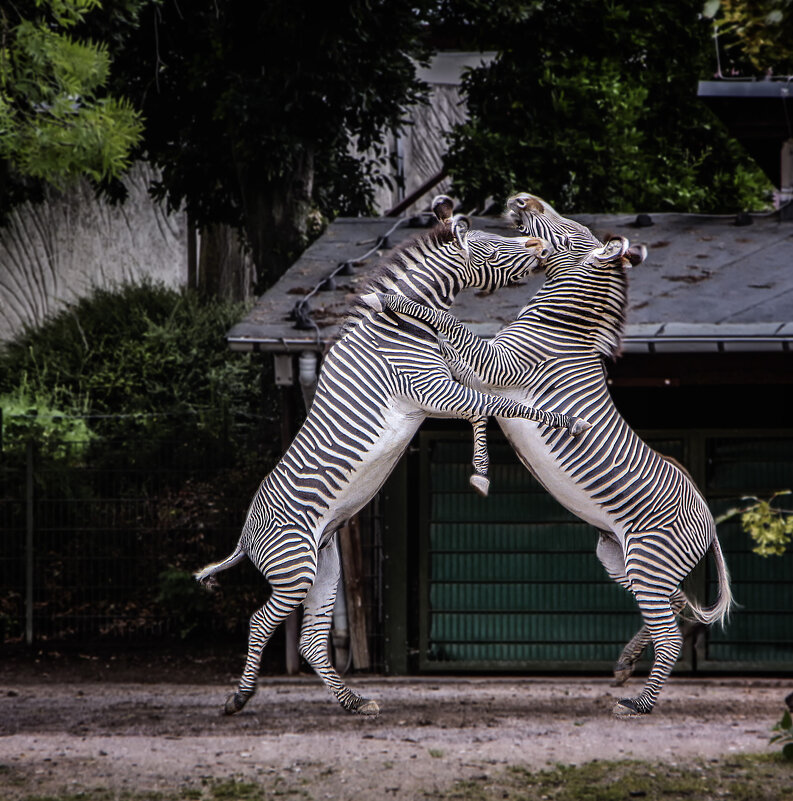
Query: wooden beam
(352, 570)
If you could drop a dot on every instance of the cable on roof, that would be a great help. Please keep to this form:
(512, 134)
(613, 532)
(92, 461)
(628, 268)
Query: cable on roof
(301, 311)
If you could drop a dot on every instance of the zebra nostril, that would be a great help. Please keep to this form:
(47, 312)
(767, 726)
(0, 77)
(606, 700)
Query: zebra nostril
(544, 253)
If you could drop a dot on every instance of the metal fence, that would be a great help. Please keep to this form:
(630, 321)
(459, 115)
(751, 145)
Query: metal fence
(99, 541)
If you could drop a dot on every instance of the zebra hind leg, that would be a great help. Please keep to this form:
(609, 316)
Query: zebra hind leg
(290, 583)
(481, 461)
(315, 631)
(626, 664)
(667, 641)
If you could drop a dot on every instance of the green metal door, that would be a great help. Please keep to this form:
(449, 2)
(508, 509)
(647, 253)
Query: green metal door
(760, 632)
(511, 582)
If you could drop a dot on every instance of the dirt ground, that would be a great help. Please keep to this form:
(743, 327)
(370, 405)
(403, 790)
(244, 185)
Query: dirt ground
(63, 732)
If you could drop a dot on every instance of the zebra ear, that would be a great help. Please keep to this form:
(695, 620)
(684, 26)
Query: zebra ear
(613, 252)
(636, 254)
(460, 227)
(443, 207)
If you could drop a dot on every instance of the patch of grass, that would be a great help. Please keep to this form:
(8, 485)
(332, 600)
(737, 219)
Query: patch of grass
(212, 790)
(436, 753)
(742, 778)
(234, 789)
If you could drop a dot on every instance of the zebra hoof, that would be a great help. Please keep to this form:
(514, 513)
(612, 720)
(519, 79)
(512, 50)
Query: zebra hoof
(622, 672)
(621, 675)
(367, 707)
(627, 708)
(577, 426)
(480, 483)
(234, 703)
(372, 300)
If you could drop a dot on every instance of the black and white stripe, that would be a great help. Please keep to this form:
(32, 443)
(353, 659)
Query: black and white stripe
(378, 383)
(655, 525)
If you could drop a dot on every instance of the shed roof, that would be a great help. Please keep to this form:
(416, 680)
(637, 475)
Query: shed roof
(707, 284)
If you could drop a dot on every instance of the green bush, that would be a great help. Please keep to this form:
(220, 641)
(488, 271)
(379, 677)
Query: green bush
(138, 361)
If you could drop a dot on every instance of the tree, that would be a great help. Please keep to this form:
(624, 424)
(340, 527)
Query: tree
(254, 110)
(592, 104)
(56, 121)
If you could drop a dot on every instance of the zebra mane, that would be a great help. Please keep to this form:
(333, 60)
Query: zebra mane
(394, 267)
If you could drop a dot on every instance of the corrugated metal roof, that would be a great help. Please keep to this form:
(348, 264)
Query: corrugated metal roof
(707, 284)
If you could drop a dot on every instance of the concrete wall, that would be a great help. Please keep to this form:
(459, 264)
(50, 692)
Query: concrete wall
(420, 147)
(58, 251)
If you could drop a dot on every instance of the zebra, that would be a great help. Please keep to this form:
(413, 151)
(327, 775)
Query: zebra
(654, 525)
(379, 381)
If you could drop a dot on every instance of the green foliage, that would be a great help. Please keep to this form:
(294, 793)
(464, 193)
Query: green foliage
(593, 106)
(784, 736)
(138, 350)
(256, 136)
(769, 526)
(55, 123)
(151, 436)
(27, 416)
(759, 32)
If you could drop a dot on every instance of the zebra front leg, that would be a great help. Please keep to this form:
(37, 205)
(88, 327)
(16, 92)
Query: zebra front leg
(464, 374)
(481, 461)
(626, 664)
(317, 619)
(291, 579)
(441, 397)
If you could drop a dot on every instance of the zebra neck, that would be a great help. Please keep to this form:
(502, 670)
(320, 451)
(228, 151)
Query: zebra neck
(584, 310)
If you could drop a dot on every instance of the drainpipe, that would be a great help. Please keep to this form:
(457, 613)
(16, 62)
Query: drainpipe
(307, 373)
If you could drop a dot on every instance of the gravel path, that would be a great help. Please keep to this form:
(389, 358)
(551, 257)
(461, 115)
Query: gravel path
(76, 736)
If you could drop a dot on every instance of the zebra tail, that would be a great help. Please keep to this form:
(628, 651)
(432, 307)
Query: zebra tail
(205, 575)
(720, 611)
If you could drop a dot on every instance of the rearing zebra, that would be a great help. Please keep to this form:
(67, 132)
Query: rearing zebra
(654, 524)
(377, 384)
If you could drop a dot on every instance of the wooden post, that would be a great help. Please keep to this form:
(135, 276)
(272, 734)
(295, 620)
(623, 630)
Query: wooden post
(292, 624)
(29, 544)
(352, 570)
(395, 572)
(192, 255)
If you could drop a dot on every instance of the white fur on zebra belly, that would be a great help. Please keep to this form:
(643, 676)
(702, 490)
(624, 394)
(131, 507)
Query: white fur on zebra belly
(525, 437)
(368, 476)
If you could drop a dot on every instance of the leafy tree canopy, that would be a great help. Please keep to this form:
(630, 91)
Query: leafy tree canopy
(757, 35)
(252, 108)
(592, 104)
(57, 122)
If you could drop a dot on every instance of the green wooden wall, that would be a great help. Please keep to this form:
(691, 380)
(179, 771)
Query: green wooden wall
(511, 582)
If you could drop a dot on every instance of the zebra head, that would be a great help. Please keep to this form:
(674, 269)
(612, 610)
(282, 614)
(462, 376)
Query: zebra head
(535, 217)
(493, 261)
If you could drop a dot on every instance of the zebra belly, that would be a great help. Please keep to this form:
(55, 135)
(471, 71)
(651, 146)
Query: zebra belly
(369, 475)
(528, 440)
